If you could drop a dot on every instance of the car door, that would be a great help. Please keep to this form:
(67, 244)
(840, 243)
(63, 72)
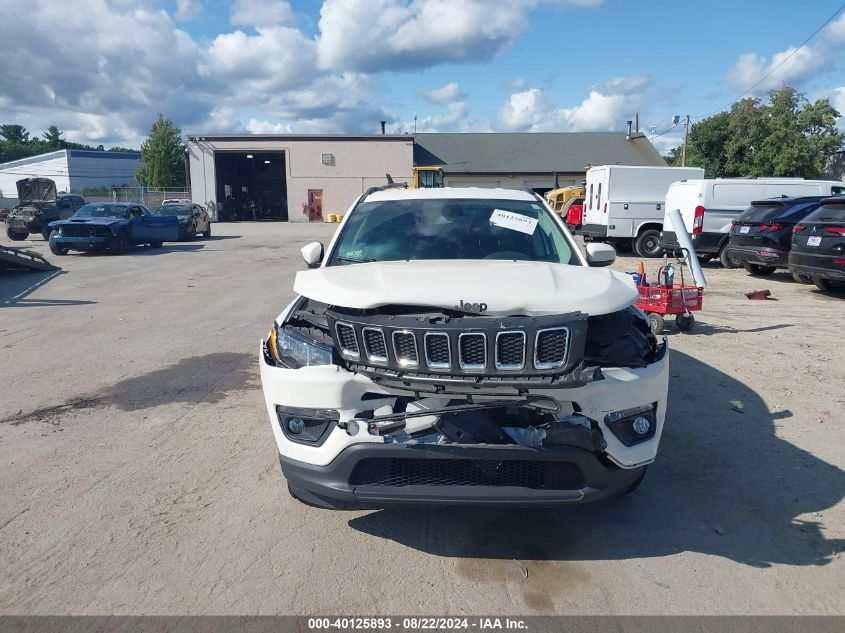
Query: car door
(158, 228)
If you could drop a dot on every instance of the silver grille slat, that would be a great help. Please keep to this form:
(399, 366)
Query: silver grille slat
(437, 364)
(375, 345)
(463, 353)
(499, 361)
(348, 347)
(405, 356)
(547, 349)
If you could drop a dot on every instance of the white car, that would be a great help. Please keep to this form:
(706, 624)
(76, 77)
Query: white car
(454, 346)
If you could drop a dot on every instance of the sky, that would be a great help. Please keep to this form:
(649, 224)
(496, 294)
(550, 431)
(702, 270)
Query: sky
(103, 69)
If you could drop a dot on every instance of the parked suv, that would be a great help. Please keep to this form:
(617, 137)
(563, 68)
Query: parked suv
(454, 346)
(818, 246)
(38, 205)
(761, 237)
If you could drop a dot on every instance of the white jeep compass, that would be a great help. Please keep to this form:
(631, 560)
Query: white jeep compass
(453, 346)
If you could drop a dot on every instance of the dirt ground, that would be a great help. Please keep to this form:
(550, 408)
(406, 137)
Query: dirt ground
(140, 475)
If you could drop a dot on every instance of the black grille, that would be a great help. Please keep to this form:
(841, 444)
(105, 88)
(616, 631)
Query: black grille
(374, 344)
(551, 347)
(405, 346)
(80, 230)
(510, 349)
(437, 349)
(472, 350)
(346, 337)
(376, 471)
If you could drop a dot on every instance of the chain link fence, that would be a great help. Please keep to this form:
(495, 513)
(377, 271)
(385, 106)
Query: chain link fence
(150, 198)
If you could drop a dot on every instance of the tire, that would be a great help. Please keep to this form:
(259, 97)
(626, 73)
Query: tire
(758, 270)
(725, 258)
(15, 236)
(156, 244)
(58, 249)
(825, 285)
(685, 322)
(45, 233)
(802, 279)
(208, 230)
(656, 323)
(703, 259)
(647, 243)
(118, 244)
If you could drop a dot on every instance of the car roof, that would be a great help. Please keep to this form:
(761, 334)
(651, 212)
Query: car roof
(790, 200)
(445, 193)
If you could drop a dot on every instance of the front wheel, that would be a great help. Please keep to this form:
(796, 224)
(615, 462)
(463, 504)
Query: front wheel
(156, 244)
(118, 244)
(647, 243)
(208, 230)
(758, 270)
(56, 248)
(45, 233)
(685, 322)
(725, 258)
(15, 236)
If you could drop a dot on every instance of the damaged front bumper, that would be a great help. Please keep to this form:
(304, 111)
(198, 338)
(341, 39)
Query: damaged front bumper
(579, 457)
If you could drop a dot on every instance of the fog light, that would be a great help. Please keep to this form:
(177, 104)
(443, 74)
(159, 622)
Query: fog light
(641, 425)
(352, 427)
(296, 425)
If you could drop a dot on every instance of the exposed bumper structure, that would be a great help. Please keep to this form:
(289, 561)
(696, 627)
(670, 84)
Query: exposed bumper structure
(371, 470)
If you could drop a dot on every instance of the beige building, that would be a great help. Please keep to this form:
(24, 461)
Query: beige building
(298, 177)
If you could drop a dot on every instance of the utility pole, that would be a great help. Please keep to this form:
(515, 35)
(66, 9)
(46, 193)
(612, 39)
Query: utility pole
(686, 139)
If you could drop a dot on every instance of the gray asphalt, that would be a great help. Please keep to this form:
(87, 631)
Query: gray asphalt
(140, 475)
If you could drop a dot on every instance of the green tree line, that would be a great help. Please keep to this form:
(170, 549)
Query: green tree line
(783, 135)
(16, 142)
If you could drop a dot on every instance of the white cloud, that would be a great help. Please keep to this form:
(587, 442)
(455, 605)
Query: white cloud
(606, 107)
(187, 10)
(260, 12)
(447, 94)
(276, 57)
(373, 35)
(791, 66)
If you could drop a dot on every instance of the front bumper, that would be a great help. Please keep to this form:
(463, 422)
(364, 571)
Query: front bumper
(81, 243)
(30, 225)
(371, 475)
(762, 255)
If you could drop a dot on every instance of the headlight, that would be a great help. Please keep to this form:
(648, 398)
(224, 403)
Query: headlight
(633, 426)
(294, 350)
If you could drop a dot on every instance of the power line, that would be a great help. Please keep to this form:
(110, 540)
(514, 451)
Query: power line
(776, 68)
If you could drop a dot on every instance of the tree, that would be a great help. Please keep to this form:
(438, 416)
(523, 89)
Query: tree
(788, 136)
(15, 134)
(162, 156)
(53, 137)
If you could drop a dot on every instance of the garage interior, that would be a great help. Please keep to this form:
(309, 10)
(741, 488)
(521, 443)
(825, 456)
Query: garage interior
(251, 186)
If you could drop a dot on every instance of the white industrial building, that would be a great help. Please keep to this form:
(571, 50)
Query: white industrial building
(306, 177)
(73, 170)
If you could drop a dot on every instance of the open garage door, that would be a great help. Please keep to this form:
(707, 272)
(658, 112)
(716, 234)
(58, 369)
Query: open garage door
(251, 186)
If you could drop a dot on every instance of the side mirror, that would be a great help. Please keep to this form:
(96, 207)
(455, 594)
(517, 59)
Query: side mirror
(599, 254)
(312, 253)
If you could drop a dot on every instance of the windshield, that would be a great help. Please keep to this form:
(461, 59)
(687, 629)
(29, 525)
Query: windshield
(829, 212)
(764, 212)
(175, 209)
(452, 229)
(103, 211)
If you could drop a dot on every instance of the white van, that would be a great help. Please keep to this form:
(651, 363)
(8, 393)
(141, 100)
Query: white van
(624, 204)
(709, 206)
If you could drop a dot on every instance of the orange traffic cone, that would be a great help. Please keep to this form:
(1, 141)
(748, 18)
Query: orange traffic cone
(641, 271)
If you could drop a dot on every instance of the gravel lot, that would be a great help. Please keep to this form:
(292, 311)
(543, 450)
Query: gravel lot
(140, 475)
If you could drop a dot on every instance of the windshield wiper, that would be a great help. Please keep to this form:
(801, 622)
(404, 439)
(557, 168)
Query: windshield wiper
(341, 258)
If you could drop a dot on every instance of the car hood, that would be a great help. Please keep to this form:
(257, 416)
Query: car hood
(95, 221)
(36, 190)
(505, 287)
